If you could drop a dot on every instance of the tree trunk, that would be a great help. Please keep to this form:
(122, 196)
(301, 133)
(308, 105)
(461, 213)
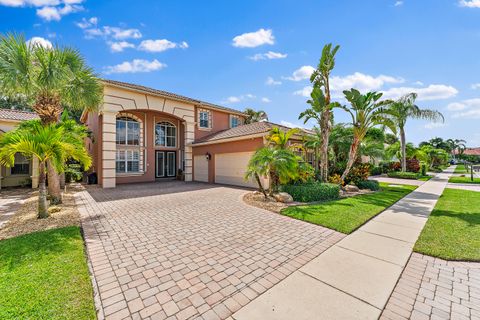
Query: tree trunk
(352, 155)
(42, 193)
(404, 149)
(260, 186)
(325, 129)
(317, 158)
(53, 184)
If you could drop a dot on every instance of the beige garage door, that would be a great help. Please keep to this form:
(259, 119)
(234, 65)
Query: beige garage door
(230, 168)
(200, 168)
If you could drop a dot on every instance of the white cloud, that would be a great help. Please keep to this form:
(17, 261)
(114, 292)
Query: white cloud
(232, 99)
(39, 41)
(272, 82)
(268, 56)
(398, 3)
(469, 109)
(160, 45)
(293, 125)
(120, 46)
(418, 83)
(266, 100)
(254, 39)
(237, 99)
(84, 24)
(435, 125)
(305, 92)
(469, 3)
(301, 73)
(134, 66)
(113, 32)
(432, 92)
(475, 86)
(31, 3)
(362, 82)
(49, 13)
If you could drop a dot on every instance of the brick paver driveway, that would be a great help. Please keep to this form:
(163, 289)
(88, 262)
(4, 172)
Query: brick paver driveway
(185, 250)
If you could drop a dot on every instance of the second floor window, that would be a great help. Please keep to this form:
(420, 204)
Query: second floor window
(234, 121)
(165, 134)
(128, 131)
(204, 119)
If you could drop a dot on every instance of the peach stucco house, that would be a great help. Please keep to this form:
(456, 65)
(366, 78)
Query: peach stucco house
(142, 134)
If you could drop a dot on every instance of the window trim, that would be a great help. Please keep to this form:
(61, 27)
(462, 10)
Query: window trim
(126, 160)
(232, 116)
(209, 119)
(126, 120)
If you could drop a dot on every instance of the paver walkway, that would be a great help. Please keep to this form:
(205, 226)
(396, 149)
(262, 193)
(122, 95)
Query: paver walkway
(10, 202)
(354, 278)
(464, 186)
(179, 251)
(432, 288)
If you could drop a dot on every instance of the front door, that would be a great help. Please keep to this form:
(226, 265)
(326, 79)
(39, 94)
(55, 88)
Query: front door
(165, 164)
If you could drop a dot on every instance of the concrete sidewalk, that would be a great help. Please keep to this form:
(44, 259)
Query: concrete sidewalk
(354, 278)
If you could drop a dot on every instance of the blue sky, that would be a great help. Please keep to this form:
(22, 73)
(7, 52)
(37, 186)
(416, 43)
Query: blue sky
(259, 53)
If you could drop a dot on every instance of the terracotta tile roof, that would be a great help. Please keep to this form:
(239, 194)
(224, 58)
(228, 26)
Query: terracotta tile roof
(17, 115)
(471, 151)
(243, 130)
(168, 94)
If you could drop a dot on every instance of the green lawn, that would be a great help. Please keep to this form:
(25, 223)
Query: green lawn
(465, 179)
(44, 275)
(346, 215)
(453, 229)
(460, 168)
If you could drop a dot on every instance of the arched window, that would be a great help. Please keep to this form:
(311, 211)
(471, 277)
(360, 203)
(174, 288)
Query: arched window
(128, 145)
(165, 134)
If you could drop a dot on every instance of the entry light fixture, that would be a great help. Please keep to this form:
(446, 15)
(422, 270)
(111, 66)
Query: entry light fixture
(208, 156)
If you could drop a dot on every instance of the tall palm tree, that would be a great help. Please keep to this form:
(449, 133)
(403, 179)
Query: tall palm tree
(366, 111)
(456, 145)
(279, 138)
(320, 102)
(280, 165)
(255, 116)
(49, 79)
(48, 143)
(405, 108)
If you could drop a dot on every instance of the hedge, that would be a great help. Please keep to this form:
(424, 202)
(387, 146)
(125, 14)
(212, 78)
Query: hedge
(403, 175)
(369, 184)
(315, 191)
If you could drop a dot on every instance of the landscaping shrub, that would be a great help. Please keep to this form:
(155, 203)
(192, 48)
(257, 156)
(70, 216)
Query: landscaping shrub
(376, 170)
(413, 165)
(395, 166)
(424, 169)
(360, 172)
(403, 175)
(369, 184)
(309, 192)
(335, 178)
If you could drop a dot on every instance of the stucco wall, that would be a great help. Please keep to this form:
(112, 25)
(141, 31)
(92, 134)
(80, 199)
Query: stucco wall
(226, 147)
(220, 121)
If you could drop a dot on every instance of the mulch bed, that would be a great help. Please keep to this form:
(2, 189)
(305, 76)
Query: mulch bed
(25, 219)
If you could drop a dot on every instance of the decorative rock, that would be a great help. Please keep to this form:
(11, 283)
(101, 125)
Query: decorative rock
(283, 197)
(351, 188)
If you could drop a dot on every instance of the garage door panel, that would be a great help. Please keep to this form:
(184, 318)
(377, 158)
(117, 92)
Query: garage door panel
(230, 169)
(200, 168)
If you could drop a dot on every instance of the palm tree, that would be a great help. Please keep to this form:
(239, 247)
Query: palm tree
(48, 79)
(48, 143)
(280, 165)
(456, 145)
(279, 138)
(405, 108)
(320, 102)
(255, 116)
(366, 111)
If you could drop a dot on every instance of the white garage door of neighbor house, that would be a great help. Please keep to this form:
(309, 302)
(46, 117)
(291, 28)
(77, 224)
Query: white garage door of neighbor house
(230, 168)
(200, 168)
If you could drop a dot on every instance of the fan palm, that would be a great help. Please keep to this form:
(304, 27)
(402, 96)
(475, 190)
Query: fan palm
(366, 111)
(280, 165)
(52, 143)
(321, 105)
(254, 116)
(48, 79)
(405, 108)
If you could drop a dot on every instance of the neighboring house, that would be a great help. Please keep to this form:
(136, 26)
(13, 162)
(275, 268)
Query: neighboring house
(25, 170)
(142, 134)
